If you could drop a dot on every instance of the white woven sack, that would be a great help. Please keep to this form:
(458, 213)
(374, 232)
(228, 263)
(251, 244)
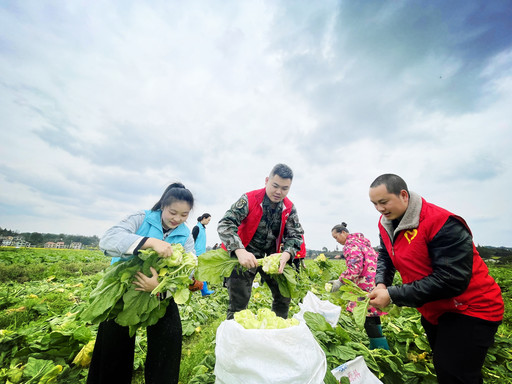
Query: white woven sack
(273, 356)
(311, 303)
(357, 372)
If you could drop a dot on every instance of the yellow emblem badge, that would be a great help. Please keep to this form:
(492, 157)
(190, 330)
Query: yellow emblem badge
(410, 235)
(240, 203)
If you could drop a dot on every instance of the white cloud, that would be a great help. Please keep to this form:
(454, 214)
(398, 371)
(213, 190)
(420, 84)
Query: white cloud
(106, 103)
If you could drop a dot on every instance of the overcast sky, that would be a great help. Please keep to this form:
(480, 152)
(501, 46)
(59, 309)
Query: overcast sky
(104, 103)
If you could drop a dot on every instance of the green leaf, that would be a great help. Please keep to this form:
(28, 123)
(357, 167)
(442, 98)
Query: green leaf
(14, 375)
(36, 371)
(422, 343)
(82, 334)
(330, 379)
(103, 301)
(350, 286)
(149, 262)
(181, 296)
(156, 314)
(350, 296)
(51, 376)
(317, 322)
(286, 282)
(214, 265)
(342, 334)
(136, 305)
(360, 312)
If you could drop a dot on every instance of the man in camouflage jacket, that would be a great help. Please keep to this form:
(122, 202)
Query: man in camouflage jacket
(261, 223)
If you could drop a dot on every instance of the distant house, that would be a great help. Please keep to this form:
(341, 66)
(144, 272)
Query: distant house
(10, 241)
(60, 244)
(19, 242)
(76, 245)
(7, 241)
(49, 244)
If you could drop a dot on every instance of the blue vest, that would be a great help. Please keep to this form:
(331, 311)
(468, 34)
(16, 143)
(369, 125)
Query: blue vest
(152, 227)
(200, 244)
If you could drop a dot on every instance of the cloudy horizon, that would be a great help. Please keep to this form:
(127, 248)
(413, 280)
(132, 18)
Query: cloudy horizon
(106, 103)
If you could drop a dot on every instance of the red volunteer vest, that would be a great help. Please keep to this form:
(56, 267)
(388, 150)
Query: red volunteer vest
(409, 254)
(302, 252)
(249, 225)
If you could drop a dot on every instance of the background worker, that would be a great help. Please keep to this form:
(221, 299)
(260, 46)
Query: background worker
(361, 260)
(199, 235)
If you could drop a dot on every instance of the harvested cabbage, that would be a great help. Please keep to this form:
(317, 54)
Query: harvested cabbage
(263, 319)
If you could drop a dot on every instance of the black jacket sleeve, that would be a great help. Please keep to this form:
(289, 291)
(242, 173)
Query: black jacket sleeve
(451, 254)
(195, 232)
(385, 268)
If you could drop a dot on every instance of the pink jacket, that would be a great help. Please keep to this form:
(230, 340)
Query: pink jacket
(361, 260)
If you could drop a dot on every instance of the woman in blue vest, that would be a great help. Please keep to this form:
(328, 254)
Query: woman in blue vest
(199, 235)
(158, 228)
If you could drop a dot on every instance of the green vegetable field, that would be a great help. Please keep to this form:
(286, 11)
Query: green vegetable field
(43, 340)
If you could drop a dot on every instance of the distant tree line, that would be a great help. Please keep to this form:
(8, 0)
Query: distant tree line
(37, 239)
(500, 254)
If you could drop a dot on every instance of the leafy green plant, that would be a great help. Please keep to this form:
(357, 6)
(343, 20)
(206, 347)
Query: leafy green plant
(49, 329)
(216, 264)
(115, 297)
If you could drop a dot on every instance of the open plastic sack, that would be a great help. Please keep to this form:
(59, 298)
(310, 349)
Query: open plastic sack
(273, 356)
(311, 303)
(357, 372)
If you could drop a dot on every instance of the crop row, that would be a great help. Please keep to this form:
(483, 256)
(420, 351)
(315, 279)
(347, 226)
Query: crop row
(41, 333)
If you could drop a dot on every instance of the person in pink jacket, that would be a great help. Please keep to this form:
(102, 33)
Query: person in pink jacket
(361, 260)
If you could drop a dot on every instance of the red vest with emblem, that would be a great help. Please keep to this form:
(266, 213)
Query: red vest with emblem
(249, 225)
(410, 256)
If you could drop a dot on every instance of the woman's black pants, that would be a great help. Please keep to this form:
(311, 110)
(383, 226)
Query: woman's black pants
(112, 359)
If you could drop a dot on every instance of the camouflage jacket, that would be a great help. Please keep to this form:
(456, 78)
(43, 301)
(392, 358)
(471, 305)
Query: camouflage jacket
(264, 240)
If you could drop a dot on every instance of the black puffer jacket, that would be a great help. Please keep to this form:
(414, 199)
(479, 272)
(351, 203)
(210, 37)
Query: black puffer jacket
(451, 253)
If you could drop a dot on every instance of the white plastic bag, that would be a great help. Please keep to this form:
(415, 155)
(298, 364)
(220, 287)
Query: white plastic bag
(311, 303)
(273, 356)
(357, 372)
